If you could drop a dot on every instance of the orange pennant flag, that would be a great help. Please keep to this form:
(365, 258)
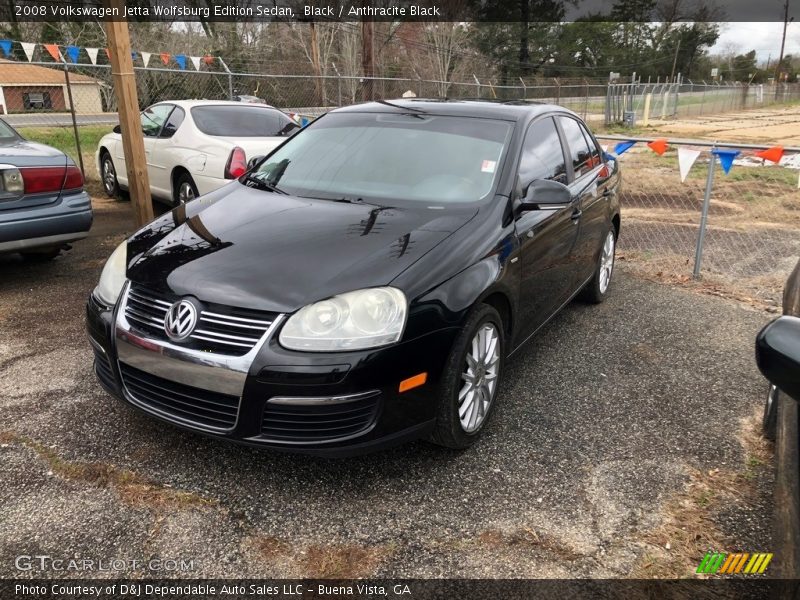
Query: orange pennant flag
(52, 50)
(108, 53)
(208, 59)
(773, 154)
(165, 58)
(658, 146)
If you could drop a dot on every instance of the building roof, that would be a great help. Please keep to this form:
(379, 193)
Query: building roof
(19, 73)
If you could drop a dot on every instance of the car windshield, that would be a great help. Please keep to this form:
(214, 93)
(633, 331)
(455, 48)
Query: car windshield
(390, 157)
(7, 134)
(241, 121)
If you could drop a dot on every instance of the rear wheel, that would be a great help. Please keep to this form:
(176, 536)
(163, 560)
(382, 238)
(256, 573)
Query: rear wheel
(185, 189)
(471, 380)
(597, 288)
(769, 422)
(109, 175)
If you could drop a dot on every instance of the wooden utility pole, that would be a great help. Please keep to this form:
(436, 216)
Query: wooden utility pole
(119, 47)
(368, 59)
(783, 44)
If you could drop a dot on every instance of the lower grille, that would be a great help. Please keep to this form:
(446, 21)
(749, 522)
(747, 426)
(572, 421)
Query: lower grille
(320, 422)
(103, 370)
(211, 410)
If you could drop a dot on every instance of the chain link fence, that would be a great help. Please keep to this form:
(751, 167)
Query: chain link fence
(752, 234)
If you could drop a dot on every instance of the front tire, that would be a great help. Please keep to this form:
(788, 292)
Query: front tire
(597, 288)
(471, 380)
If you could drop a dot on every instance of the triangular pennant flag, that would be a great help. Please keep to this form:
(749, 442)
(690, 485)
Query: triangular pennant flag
(773, 154)
(73, 52)
(165, 57)
(52, 50)
(208, 59)
(6, 46)
(28, 47)
(133, 55)
(196, 62)
(92, 52)
(726, 158)
(146, 58)
(658, 146)
(181, 60)
(686, 158)
(108, 53)
(623, 147)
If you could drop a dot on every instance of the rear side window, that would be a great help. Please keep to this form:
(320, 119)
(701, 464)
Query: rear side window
(241, 121)
(174, 121)
(584, 159)
(542, 157)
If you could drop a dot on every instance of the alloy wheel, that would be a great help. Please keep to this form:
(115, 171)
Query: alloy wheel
(480, 377)
(109, 176)
(607, 262)
(185, 192)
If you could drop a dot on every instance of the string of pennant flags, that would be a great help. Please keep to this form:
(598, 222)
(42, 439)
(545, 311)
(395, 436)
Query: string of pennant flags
(688, 156)
(73, 53)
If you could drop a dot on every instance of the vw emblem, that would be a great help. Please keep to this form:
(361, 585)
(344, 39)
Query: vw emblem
(180, 320)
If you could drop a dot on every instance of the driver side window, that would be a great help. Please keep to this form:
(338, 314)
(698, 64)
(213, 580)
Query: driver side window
(153, 118)
(542, 157)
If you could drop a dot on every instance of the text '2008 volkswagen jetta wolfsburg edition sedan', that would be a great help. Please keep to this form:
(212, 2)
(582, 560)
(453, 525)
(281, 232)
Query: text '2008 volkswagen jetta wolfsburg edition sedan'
(364, 283)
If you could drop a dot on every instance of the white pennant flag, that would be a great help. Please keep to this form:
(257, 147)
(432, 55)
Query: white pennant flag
(29, 48)
(92, 52)
(196, 62)
(146, 58)
(686, 158)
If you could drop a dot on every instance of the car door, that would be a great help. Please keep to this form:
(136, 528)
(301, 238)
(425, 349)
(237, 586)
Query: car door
(546, 236)
(153, 119)
(163, 155)
(591, 189)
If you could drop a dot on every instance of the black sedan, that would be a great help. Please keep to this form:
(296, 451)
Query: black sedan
(365, 282)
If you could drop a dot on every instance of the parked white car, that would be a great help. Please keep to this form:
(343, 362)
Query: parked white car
(194, 146)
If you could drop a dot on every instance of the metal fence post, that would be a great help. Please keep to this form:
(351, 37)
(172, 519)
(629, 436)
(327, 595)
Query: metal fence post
(74, 121)
(230, 77)
(524, 89)
(698, 255)
(477, 84)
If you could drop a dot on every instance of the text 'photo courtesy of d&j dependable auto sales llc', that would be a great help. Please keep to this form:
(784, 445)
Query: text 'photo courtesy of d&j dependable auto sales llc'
(388, 299)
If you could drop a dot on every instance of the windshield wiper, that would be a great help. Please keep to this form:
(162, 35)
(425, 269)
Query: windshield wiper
(345, 199)
(253, 181)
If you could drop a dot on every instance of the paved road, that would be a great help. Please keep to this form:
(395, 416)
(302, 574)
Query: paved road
(601, 419)
(59, 119)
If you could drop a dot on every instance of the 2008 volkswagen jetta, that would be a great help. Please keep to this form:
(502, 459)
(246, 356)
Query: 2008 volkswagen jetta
(365, 282)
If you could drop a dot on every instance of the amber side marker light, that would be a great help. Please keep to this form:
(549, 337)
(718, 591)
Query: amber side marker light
(413, 382)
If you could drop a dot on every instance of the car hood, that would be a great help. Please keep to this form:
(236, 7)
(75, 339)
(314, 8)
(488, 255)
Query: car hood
(254, 249)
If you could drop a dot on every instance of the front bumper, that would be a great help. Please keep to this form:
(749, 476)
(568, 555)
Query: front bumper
(333, 404)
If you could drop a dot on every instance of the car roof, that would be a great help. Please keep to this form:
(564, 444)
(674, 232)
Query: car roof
(487, 109)
(193, 103)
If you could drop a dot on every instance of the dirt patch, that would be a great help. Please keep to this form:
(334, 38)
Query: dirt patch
(132, 488)
(525, 540)
(689, 527)
(342, 561)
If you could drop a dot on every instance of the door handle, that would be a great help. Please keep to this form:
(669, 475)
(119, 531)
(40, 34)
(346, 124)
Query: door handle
(576, 214)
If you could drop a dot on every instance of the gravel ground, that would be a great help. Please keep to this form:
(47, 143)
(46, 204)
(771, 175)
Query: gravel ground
(601, 421)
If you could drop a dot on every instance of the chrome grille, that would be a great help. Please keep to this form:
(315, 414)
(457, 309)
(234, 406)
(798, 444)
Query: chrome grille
(220, 329)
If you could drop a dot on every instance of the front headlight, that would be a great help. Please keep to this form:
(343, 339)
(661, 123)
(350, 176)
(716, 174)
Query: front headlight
(352, 321)
(113, 276)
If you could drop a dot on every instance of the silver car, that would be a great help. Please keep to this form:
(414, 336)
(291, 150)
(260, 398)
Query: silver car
(43, 205)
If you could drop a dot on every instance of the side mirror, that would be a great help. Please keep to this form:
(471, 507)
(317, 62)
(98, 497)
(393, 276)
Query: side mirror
(778, 354)
(254, 161)
(117, 129)
(543, 193)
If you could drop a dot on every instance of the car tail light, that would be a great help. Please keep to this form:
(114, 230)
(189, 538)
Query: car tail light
(237, 164)
(41, 180)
